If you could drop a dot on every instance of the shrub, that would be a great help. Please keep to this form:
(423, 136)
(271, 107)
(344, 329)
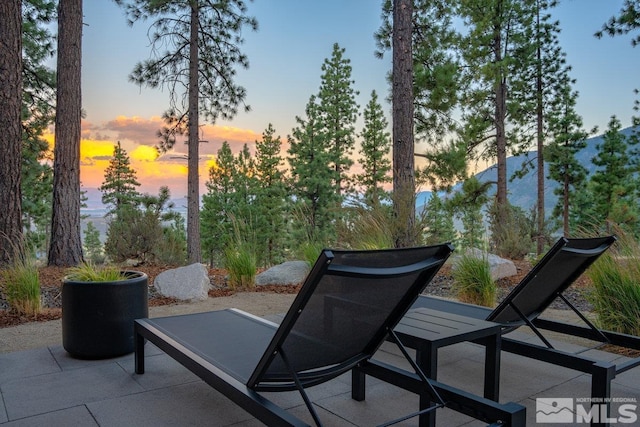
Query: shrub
(148, 233)
(241, 264)
(615, 292)
(473, 282)
(22, 286)
(511, 237)
(133, 234)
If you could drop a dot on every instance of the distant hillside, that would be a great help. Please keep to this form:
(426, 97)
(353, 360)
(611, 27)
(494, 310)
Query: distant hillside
(523, 191)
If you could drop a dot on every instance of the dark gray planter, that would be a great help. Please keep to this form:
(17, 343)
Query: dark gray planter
(97, 317)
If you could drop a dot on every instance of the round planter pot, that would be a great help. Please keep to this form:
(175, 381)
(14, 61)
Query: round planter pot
(97, 317)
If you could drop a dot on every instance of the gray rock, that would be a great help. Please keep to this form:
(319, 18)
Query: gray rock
(287, 273)
(185, 283)
(500, 267)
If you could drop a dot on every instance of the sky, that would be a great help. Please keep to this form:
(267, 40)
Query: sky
(286, 54)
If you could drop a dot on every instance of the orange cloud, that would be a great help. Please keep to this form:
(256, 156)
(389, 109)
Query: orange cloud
(138, 137)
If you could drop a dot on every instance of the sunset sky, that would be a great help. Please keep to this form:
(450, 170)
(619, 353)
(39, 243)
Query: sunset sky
(286, 54)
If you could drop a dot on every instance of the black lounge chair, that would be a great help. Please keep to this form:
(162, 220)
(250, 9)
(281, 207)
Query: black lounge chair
(547, 280)
(346, 308)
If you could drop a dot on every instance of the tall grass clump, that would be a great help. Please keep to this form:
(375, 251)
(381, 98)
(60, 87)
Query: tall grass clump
(241, 264)
(472, 281)
(367, 227)
(309, 251)
(615, 292)
(240, 255)
(88, 272)
(22, 286)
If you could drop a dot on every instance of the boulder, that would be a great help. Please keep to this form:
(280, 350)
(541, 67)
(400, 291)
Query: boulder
(287, 273)
(185, 283)
(500, 267)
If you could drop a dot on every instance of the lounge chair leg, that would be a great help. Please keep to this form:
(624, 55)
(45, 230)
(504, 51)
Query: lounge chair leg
(601, 377)
(138, 342)
(358, 384)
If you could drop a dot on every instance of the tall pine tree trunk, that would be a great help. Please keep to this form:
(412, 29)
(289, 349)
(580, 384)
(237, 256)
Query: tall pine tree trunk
(540, 139)
(66, 244)
(565, 206)
(194, 253)
(10, 126)
(500, 93)
(403, 148)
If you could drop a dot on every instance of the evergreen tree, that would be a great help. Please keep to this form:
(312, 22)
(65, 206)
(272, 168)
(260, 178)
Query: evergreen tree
(38, 100)
(270, 197)
(375, 148)
(147, 233)
(613, 186)
(404, 206)
(625, 22)
(467, 207)
(65, 248)
(436, 66)
(92, 244)
(11, 135)
(312, 177)
(218, 203)
(437, 222)
(338, 111)
(567, 139)
(202, 64)
(119, 187)
(497, 51)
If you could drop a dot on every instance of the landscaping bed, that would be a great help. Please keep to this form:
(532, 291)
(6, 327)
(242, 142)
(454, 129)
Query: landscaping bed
(51, 280)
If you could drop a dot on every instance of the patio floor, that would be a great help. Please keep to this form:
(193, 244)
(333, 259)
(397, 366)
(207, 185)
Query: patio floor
(45, 387)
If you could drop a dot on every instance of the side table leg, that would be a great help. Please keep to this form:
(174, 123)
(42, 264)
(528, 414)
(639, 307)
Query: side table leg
(492, 345)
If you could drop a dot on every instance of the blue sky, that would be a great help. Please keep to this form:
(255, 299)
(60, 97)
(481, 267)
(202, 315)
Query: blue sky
(286, 53)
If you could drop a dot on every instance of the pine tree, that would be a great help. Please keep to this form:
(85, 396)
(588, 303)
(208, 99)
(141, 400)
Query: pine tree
(312, 177)
(404, 207)
(218, 203)
(11, 135)
(92, 244)
(467, 207)
(497, 49)
(270, 197)
(626, 21)
(567, 139)
(436, 67)
(119, 188)
(375, 149)
(613, 186)
(437, 222)
(66, 242)
(201, 64)
(338, 111)
(38, 100)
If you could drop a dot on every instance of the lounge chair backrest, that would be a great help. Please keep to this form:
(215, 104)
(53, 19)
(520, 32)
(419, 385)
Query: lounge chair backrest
(343, 312)
(554, 273)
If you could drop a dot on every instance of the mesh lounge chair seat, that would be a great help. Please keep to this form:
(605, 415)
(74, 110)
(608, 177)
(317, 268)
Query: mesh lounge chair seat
(348, 305)
(548, 279)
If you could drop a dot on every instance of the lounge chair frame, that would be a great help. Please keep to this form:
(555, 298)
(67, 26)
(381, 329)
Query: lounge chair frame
(246, 392)
(602, 372)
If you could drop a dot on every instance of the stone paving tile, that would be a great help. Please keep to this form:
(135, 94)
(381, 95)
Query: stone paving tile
(78, 416)
(52, 392)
